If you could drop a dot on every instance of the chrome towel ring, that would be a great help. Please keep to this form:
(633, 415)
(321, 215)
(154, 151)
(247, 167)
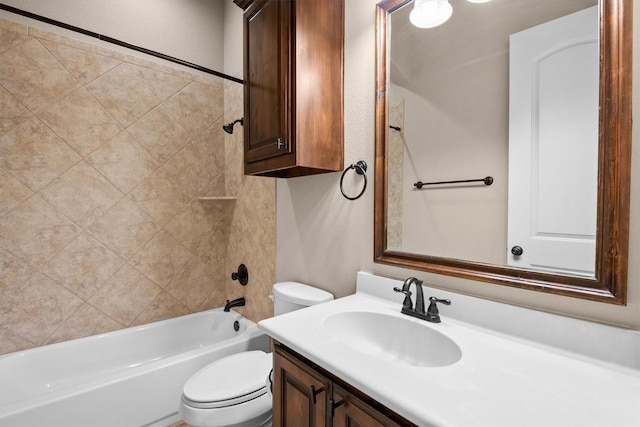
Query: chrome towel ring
(361, 169)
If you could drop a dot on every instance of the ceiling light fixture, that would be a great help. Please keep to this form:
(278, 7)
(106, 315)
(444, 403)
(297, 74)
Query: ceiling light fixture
(430, 13)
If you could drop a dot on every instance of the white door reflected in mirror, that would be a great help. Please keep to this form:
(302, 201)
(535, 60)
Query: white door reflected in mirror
(553, 144)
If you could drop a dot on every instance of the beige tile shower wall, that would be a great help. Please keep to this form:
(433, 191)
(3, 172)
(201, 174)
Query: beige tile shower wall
(395, 176)
(252, 234)
(103, 158)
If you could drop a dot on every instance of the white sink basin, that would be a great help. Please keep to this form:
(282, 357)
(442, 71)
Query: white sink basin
(393, 338)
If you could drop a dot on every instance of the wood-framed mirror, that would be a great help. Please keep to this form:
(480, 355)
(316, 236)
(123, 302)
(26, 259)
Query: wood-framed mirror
(605, 279)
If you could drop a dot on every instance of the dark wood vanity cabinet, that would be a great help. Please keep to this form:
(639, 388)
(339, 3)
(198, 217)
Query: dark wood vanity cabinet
(305, 395)
(353, 411)
(293, 86)
(299, 392)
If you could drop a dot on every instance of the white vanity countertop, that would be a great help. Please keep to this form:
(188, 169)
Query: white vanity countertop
(498, 381)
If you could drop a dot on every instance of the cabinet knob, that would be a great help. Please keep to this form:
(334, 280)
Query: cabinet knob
(280, 144)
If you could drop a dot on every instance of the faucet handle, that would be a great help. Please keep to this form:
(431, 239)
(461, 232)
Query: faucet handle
(432, 312)
(407, 303)
(242, 275)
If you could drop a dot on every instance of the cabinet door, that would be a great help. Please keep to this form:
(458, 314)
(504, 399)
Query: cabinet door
(299, 394)
(266, 88)
(350, 411)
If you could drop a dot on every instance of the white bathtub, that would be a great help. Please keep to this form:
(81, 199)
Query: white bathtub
(131, 377)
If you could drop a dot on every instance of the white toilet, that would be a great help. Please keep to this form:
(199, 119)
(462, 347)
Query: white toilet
(233, 391)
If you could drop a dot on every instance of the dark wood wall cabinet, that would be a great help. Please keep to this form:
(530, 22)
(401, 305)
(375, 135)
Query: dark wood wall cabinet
(305, 395)
(293, 87)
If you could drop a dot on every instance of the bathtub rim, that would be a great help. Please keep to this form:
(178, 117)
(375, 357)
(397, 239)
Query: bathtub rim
(252, 334)
(122, 331)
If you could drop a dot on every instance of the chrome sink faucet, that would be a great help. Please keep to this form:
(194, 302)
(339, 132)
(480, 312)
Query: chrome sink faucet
(432, 314)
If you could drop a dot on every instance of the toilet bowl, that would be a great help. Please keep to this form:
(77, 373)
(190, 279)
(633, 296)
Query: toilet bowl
(234, 391)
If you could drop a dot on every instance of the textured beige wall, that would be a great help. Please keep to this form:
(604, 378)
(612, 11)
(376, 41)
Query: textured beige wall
(466, 222)
(191, 30)
(103, 158)
(324, 239)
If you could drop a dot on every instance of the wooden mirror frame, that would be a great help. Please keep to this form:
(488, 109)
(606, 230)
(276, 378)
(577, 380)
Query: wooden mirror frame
(614, 173)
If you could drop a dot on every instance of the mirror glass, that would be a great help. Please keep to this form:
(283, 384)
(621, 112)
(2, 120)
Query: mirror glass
(490, 136)
(461, 94)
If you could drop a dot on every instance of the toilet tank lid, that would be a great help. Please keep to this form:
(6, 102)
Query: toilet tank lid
(299, 293)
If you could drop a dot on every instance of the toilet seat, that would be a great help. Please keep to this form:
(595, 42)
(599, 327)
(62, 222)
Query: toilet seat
(229, 381)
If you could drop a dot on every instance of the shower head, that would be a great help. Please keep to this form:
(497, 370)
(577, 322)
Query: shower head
(228, 128)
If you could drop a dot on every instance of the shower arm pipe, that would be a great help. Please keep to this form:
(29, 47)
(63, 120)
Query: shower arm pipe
(487, 181)
(117, 42)
(228, 128)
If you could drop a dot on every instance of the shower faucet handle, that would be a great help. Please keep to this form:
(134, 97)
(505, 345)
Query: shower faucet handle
(242, 275)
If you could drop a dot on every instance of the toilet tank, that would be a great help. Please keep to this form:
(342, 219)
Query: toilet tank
(291, 296)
